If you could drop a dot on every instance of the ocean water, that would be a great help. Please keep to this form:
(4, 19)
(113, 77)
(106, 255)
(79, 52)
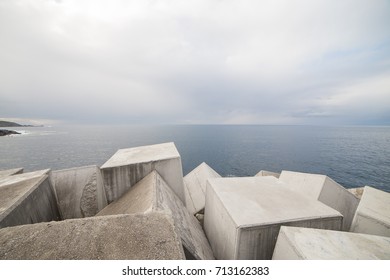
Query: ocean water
(352, 156)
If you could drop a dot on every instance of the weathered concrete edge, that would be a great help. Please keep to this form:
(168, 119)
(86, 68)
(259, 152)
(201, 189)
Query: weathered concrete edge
(23, 197)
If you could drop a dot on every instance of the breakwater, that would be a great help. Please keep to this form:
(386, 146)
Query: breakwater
(199, 216)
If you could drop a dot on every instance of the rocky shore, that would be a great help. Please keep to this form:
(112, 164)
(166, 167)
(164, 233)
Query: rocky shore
(5, 132)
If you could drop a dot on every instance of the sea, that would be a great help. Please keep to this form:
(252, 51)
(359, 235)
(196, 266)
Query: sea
(354, 156)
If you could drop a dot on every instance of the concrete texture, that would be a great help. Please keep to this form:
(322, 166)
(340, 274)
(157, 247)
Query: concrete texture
(357, 192)
(80, 192)
(243, 215)
(195, 187)
(314, 244)
(153, 194)
(373, 214)
(10, 172)
(128, 166)
(126, 237)
(23, 176)
(267, 173)
(27, 198)
(324, 189)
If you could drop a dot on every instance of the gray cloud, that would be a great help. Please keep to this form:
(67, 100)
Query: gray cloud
(196, 61)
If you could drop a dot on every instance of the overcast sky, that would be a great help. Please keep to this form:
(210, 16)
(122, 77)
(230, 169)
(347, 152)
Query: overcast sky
(196, 61)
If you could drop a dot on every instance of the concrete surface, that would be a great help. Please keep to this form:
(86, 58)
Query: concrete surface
(153, 194)
(267, 173)
(243, 215)
(373, 214)
(80, 192)
(27, 198)
(125, 237)
(314, 244)
(10, 172)
(357, 192)
(23, 176)
(128, 166)
(324, 189)
(195, 187)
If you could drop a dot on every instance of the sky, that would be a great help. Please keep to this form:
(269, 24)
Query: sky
(196, 61)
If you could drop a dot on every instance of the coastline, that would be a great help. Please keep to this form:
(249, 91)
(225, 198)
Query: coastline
(6, 132)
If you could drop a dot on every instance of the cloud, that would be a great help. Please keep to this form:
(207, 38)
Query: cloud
(196, 61)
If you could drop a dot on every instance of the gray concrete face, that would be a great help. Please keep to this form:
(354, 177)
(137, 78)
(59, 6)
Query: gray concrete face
(314, 244)
(153, 194)
(123, 237)
(27, 198)
(23, 176)
(304, 183)
(80, 192)
(267, 173)
(373, 214)
(195, 187)
(128, 166)
(243, 215)
(10, 172)
(324, 189)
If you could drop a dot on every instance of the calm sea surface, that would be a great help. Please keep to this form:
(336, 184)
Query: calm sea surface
(352, 156)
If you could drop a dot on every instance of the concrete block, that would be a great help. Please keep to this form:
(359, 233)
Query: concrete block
(10, 172)
(27, 198)
(358, 192)
(373, 213)
(243, 215)
(195, 187)
(267, 173)
(153, 194)
(324, 189)
(22, 176)
(128, 166)
(315, 244)
(80, 192)
(123, 237)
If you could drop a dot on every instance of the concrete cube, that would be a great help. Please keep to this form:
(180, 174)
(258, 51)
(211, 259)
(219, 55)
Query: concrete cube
(324, 189)
(267, 173)
(123, 237)
(28, 175)
(80, 192)
(27, 198)
(10, 172)
(315, 244)
(153, 194)
(195, 187)
(128, 166)
(243, 215)
(373, 213)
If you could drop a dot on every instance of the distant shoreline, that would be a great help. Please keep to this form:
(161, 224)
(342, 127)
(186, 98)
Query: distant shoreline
(6, 132)
(14, 124)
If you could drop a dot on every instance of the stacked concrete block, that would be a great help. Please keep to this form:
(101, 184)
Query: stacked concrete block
(373, 214)
(10, 172)
(153, 194)
(80, 191)
(126, 237)
(27, 198)
(128, 166)
(267, 173)
(28, 175)
(243, 215)
(324, 189)
(314, 244)
(195, 187)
